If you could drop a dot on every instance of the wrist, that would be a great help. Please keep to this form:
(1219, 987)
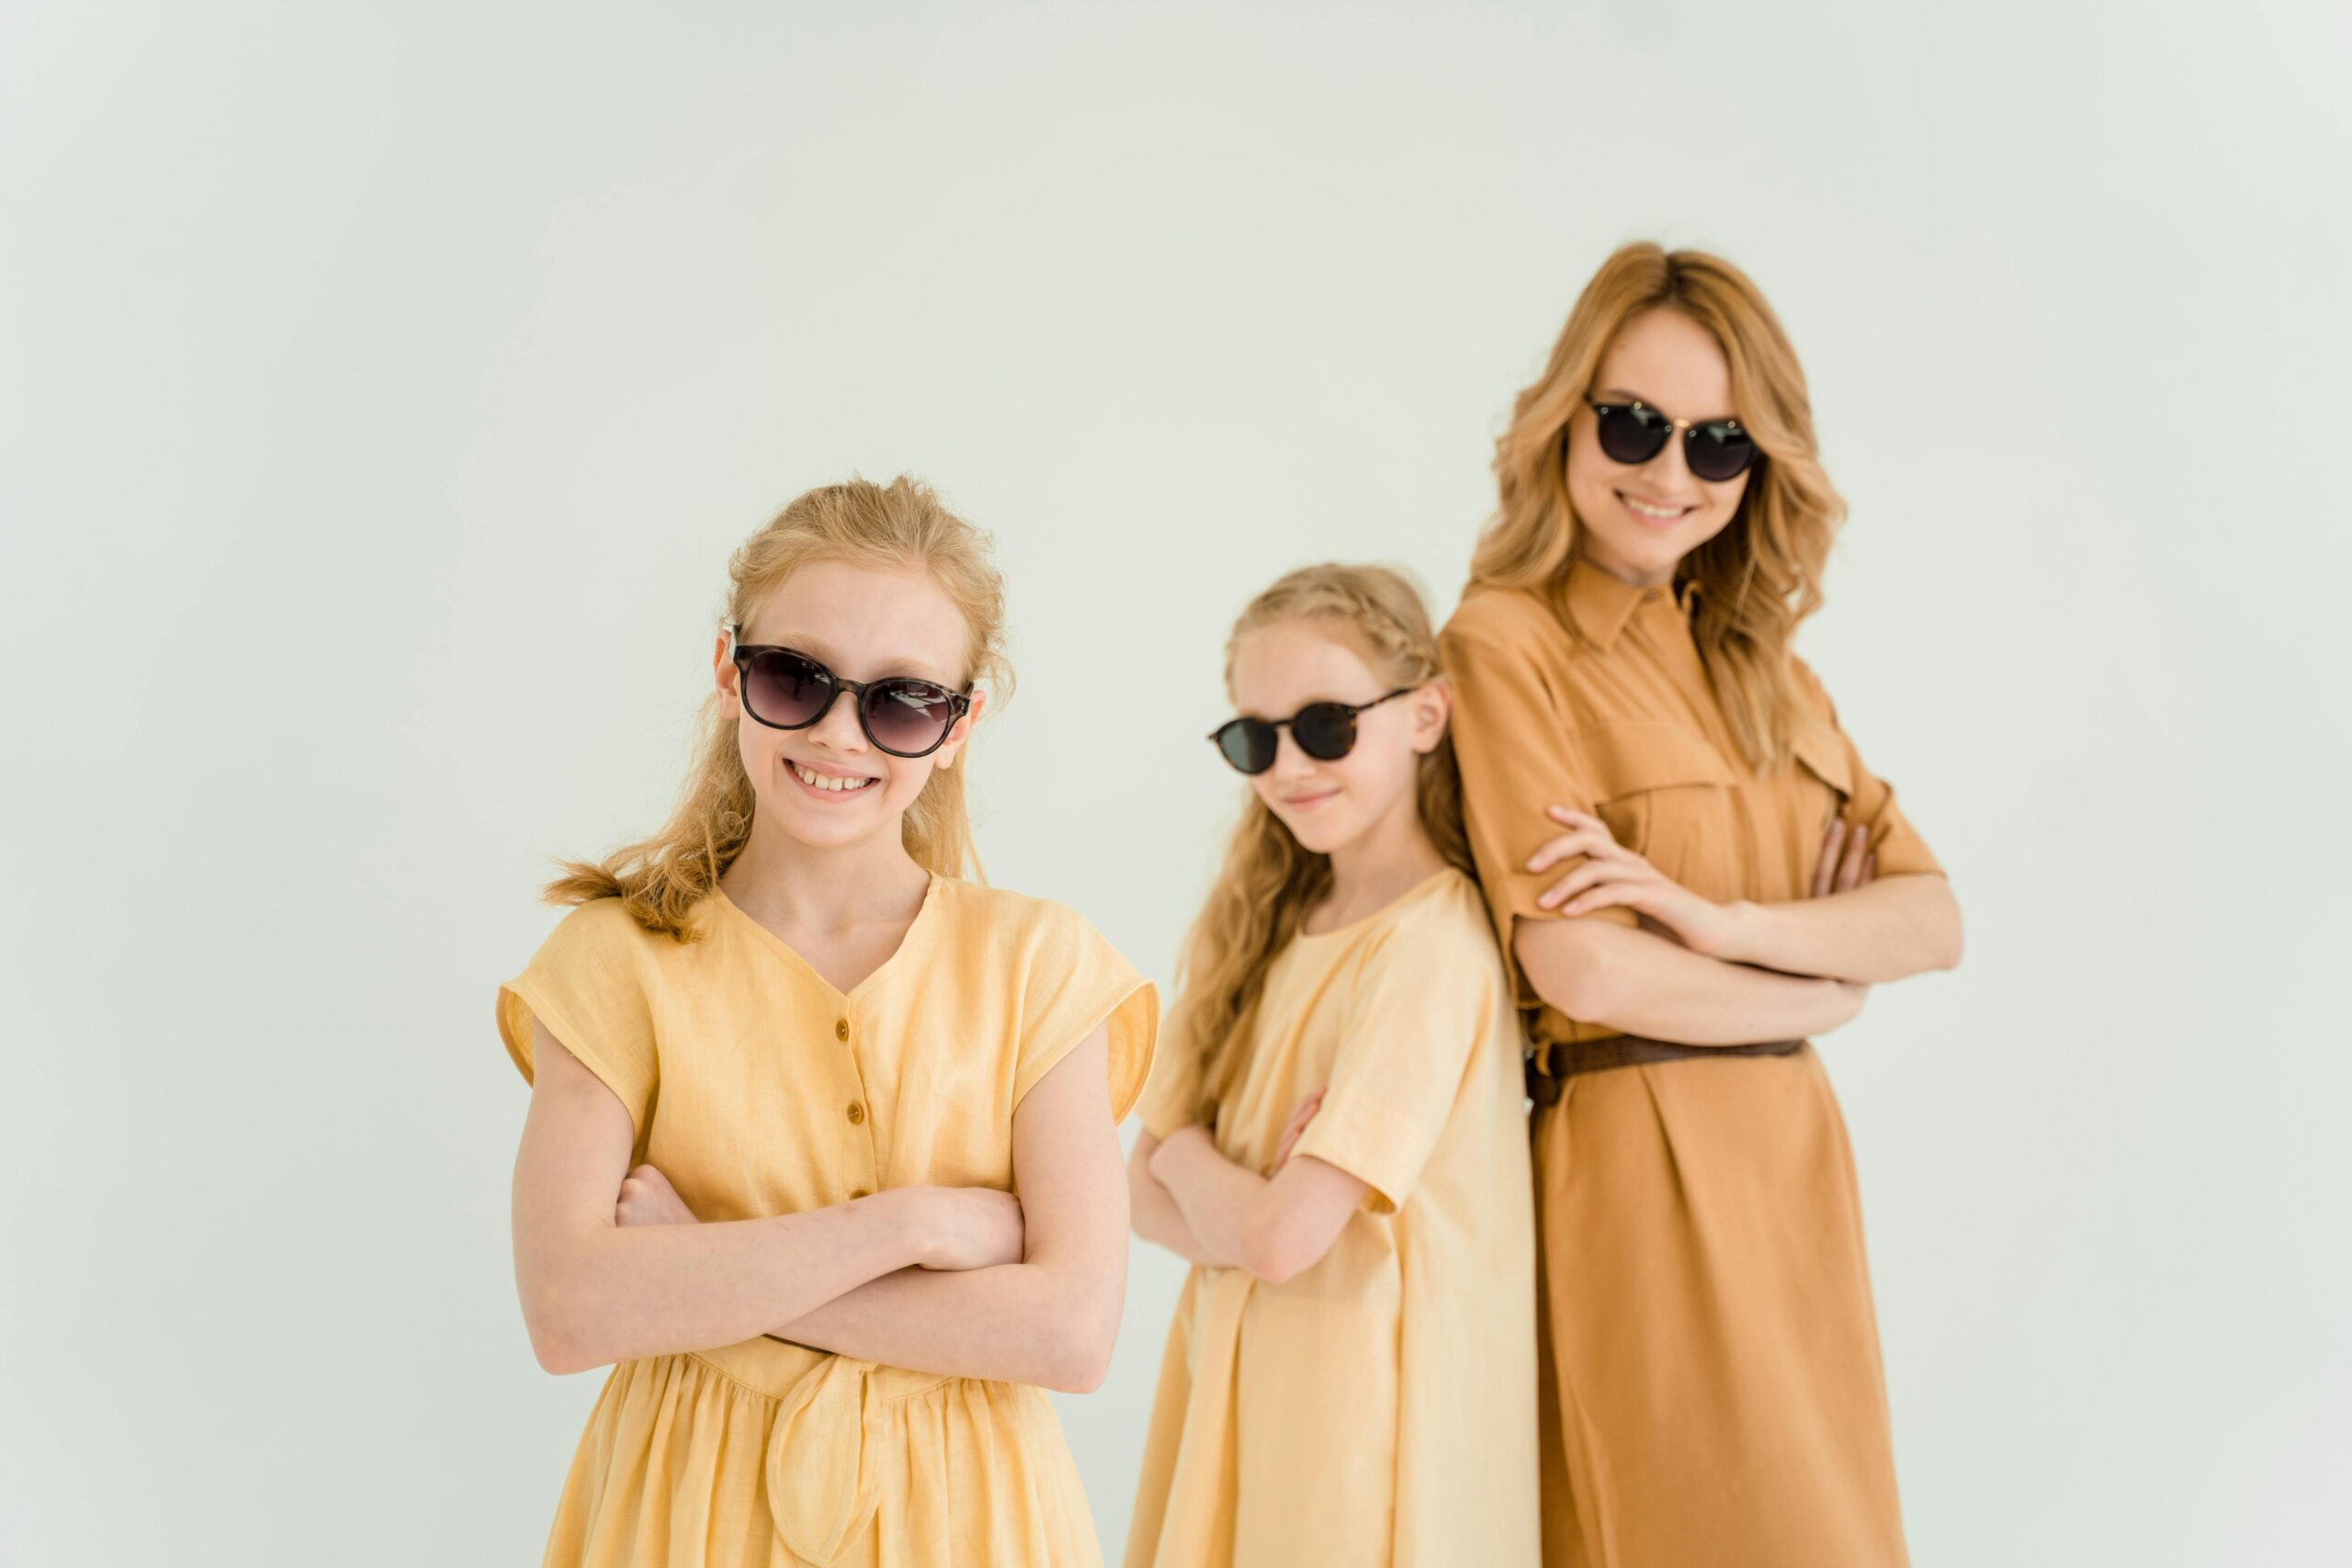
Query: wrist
(1741, 917)
(912, 1220)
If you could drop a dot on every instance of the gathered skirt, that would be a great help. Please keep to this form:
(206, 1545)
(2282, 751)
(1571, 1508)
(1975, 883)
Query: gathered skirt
(770, 1455)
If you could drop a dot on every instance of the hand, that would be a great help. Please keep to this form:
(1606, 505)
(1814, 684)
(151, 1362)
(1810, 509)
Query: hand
(1847, 860)
(1614, 875)
(1297, 1124)
(647, 1198)
(967, 1227)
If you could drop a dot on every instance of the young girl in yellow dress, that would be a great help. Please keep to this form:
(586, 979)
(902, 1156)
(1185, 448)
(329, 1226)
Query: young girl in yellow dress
(889, 1095)
(1337, 1136)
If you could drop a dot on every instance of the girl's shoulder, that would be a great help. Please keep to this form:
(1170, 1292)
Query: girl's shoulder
(996, 924)
(1443, 921)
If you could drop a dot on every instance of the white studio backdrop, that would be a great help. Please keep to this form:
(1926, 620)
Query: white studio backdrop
(381, 391)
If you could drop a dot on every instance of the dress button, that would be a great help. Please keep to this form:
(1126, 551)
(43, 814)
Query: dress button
(841, 1028)
(856, 1113)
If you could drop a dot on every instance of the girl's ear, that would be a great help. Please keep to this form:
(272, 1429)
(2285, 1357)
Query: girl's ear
(945, 756)
(1433, 708)
(723, 671)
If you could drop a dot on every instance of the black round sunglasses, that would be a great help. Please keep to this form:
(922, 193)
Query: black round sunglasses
(785, 689)
(1633, 432)
(1325, 731)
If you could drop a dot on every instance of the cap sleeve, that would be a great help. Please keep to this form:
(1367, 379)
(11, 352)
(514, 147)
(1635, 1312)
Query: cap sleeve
(1513, 738)
(589, 983)
(1425, 999)
(1171, 1095)
(1869, 800)
(1075, 980)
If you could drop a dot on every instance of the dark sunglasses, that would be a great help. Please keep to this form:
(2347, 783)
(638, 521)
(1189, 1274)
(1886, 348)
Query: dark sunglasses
(785, 689)
(1325, 731)
(1634, 433)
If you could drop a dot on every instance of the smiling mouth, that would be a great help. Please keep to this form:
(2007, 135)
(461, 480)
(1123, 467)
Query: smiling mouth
(829, 784)
(1297, 801)
(1655, 514)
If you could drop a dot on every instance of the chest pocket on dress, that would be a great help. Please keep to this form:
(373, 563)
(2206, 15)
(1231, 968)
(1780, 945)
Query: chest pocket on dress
(1820, 753)
(1661, 787)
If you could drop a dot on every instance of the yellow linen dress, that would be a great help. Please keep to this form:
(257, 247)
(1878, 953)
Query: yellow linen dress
(759, 1089)
(1380, 1407)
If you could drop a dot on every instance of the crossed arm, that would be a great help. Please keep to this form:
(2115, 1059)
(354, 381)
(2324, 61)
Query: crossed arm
(1192, 1200)
(968, 1281)
(1706, 974)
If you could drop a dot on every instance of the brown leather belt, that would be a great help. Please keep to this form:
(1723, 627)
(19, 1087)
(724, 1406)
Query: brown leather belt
(1625, 1051)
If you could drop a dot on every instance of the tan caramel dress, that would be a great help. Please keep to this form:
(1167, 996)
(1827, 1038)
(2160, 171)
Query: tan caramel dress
(1713, 1390)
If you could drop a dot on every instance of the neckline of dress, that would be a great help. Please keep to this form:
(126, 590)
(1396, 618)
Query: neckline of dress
(1416, 891)
(906, 940)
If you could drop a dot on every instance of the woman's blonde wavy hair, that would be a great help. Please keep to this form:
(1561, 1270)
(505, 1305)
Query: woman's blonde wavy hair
(893, 528)
(1759, 577)
(1268, 880)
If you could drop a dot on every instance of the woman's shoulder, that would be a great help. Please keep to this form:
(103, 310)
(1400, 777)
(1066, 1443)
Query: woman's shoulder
(1491, 613)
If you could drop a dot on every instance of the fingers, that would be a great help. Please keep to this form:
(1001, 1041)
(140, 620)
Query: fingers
(1825, 865)
(1594, 873)
(1849, 868)
(1594, 843)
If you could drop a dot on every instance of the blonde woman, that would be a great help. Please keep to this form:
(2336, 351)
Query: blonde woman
(1693, 875)
(1338, 1140)
(787, 1070)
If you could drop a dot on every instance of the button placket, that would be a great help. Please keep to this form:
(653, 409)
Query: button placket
(858, 1115)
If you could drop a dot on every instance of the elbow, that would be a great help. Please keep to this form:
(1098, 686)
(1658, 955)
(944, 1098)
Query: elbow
(1944, 943)
(1563, 961)
(1278, 1253)
(1080, 1353)
(561, 1340)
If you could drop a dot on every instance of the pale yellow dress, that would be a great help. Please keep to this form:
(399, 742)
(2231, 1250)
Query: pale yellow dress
(757, 1089)
(1379, 1408)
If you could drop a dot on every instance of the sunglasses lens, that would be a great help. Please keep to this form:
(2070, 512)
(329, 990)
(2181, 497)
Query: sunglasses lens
(1247, 744)
(786, 689)
(909, 719)
(1630, 435)
(1325, 731)
(1720, 451)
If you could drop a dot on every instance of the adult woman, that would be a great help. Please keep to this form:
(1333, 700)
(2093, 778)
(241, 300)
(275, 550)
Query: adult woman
(1690, 872)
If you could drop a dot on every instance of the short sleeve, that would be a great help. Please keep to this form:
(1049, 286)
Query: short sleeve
(1512, 737)
(1075, 979)
(1425, 1000)
(1869, 800)
(590, 984)
(1170, 1094)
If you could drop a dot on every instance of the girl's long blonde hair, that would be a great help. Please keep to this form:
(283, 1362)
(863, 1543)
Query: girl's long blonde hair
(1761, 575)
(1268, 880)
(893, 528)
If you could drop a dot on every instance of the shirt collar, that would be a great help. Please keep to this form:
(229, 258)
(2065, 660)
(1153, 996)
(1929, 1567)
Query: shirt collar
(1601, 604)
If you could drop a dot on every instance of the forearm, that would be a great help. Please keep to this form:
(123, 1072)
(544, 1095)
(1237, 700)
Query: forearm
(1895, 927)
(1048, 1324)
(1155, 1217)
(1224, 1205)
(1649, 985)
(607, 1294)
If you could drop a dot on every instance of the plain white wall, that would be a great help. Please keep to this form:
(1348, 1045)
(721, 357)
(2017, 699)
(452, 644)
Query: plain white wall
(382, 389)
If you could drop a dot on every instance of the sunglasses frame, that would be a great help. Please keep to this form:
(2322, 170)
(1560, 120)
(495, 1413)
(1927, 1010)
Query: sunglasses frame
(1689, 430)
(960, 703)
(1348, 712)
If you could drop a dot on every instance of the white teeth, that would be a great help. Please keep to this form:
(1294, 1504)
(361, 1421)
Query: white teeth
(820, 780)
(1648, 511)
